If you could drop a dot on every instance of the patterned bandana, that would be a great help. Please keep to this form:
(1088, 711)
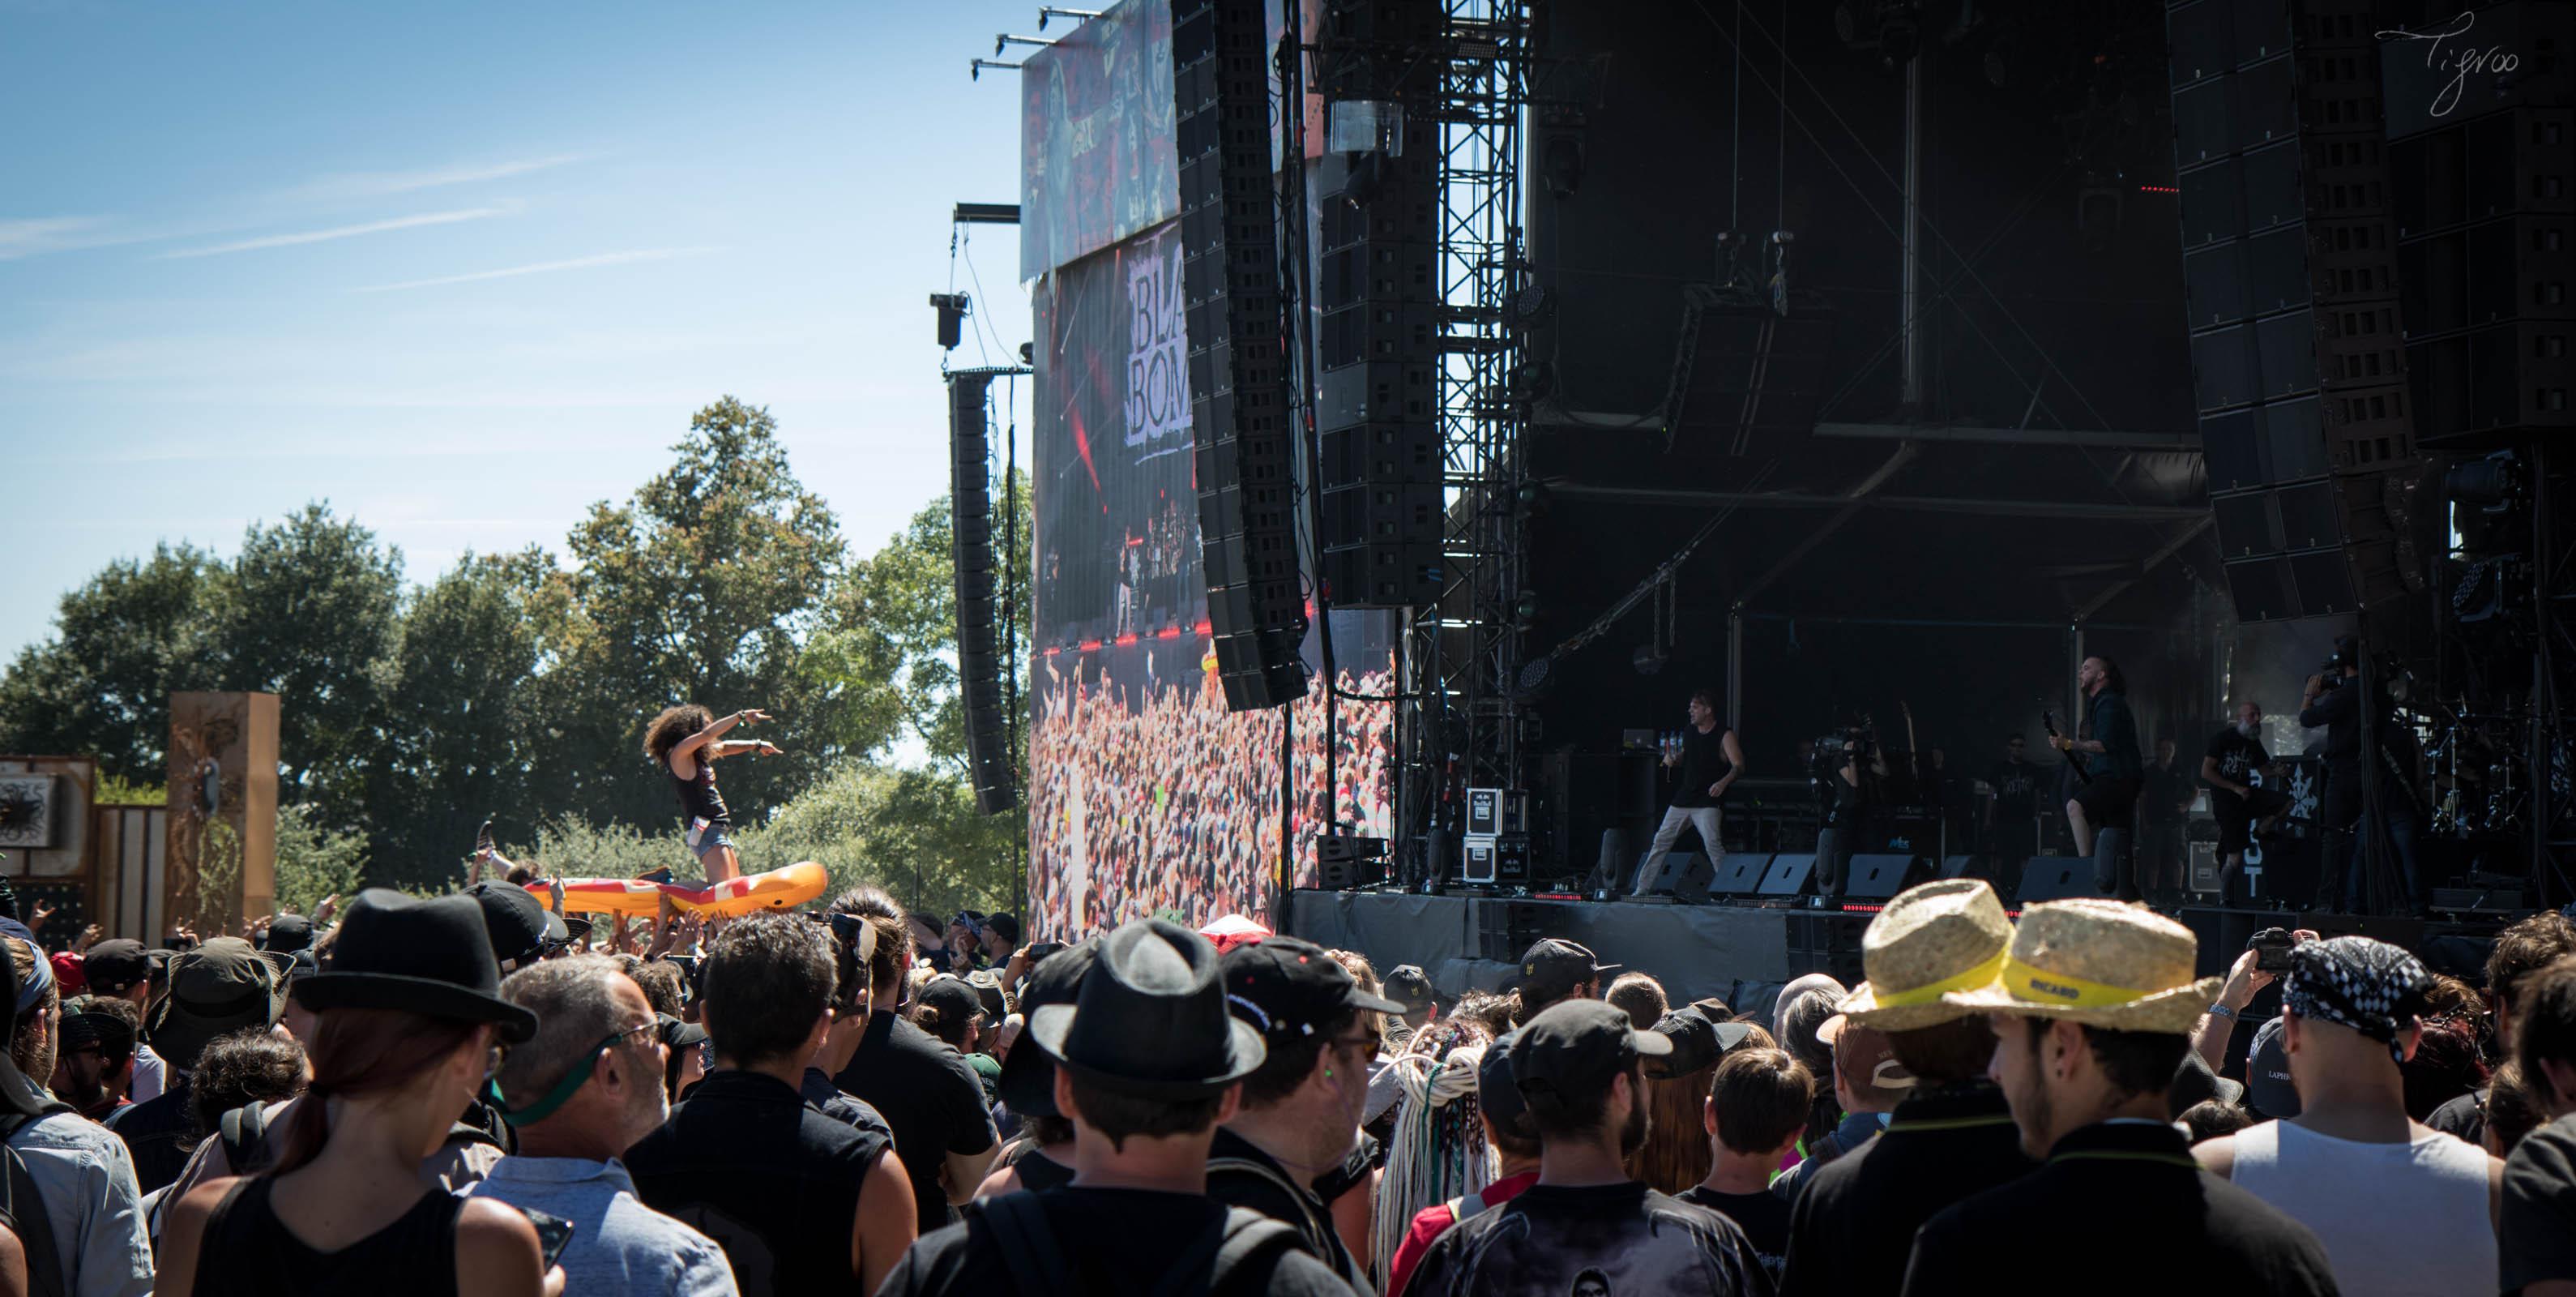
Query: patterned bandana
(2370, 986)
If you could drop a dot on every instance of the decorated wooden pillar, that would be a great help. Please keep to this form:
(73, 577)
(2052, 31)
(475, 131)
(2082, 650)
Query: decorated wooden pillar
(223, 810)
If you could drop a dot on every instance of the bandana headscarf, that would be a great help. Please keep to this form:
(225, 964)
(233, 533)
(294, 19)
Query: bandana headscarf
(2370, 986)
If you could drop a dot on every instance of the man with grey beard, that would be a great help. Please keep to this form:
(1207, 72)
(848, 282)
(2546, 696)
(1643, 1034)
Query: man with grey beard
(581, 1092)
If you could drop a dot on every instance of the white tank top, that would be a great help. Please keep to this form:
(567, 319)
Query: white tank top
(2398, 1220)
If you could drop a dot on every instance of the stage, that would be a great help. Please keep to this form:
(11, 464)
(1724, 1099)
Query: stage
(1743, 952)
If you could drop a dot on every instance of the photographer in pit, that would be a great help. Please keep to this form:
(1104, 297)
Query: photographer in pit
(1847, 769)
(2333, 699)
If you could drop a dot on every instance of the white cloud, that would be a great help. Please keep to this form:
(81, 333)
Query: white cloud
(33, 235)
(380, 184)
(543, 267)
(341, 232)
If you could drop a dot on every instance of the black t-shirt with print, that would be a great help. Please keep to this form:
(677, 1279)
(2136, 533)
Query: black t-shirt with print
(928, 1096)
(1763, 1216)
(2238, 757)
(1112, 1241)
(1595, 1240)
(2536, 1234)
(2016, 785)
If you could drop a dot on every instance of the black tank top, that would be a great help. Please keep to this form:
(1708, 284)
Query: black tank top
(248, 1251)
(699, 799)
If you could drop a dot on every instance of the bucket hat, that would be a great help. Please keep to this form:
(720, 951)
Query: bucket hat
(219, 988)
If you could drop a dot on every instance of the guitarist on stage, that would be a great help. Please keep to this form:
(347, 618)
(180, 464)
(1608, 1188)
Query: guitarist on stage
(2110, 763)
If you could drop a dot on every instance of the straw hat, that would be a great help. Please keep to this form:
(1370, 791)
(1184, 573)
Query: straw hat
(2098, 962)
(1943, 936)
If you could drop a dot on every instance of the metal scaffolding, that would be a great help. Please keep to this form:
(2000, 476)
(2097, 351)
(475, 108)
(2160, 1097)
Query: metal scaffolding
(1460, 725)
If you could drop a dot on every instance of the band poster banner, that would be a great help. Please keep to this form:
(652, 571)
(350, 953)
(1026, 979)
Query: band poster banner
(1096, 155)
(1145, 794)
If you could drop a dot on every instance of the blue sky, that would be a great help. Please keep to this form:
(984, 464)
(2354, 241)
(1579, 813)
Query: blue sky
(463, 269)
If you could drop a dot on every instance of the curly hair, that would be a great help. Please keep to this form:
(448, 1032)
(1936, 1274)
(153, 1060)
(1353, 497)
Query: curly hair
(664, 732)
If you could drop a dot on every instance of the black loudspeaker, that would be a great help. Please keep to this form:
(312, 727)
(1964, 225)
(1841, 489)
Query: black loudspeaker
(2289, 273)
(1343, 862)
(1377, 400)
(1789, 874)
(1688, 878)
(970, 540)
(2055, 878)
(1741, 874)
(1242, 443)
(1827, 943)
(1505, 930)
(1968, 867)
(1876, 877)
(1746, 378)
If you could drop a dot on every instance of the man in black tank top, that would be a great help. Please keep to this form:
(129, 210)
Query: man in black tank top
(1709, 760)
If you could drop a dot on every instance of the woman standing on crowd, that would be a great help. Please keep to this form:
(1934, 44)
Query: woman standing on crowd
(683, 742)
(409, 1023)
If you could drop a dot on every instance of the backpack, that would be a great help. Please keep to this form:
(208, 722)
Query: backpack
(1016, 1225)
(22, 1211)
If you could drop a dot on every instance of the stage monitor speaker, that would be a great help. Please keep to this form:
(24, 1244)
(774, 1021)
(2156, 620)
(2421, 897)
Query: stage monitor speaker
(1789, 875)
(970, 541)
(1876, 877)
(1968, 867)
(1688, 878)
(1740, 874)
(1243, 448)
(2055, 878)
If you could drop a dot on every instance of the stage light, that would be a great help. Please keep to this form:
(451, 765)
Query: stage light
(953, 309)
(1648, 659)
(1004, 40)
(2492, 484)
(1533, 676)
(975, 68)
(1078, 15)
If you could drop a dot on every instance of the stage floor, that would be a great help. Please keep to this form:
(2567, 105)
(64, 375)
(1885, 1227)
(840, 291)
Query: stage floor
(1734, 952)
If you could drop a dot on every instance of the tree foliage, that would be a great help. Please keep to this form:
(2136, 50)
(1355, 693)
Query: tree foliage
(516, 686)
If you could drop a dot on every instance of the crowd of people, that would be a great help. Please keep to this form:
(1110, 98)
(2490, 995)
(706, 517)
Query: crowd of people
(1147, 796)
(470, 1095)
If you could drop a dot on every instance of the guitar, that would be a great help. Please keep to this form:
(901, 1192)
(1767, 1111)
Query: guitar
(2048, 720)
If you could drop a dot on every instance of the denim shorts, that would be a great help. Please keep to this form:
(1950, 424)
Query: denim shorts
(704, 839)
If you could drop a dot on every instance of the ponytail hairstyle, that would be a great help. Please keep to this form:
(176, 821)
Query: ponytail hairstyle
(359, 1052)
(893, 954)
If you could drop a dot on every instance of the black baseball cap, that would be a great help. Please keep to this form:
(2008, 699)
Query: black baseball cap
(1552, 967)
(2268, 1088)
(1567, 1054)
(953, 996)
(288, 933)
(116, 965)
(1411, 986)
(1698, 1041)
(1497, 1095)
(1288, 988)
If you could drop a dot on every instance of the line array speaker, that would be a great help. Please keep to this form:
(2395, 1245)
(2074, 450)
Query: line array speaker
(970, 541)
(1377, 401)
(2289, 270)
(1238, 387)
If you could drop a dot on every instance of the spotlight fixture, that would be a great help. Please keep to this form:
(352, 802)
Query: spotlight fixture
(1078, 15)
(975, 68)
(2490, 485)
(953, 309)
(1005, 40)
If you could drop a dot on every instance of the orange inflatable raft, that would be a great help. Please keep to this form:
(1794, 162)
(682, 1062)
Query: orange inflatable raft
(778, 889)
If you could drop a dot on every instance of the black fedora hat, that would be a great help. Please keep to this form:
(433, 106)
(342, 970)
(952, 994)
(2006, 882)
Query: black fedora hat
(1027, 1086)
(1151, 1018)
(218, 988)
(432, 958)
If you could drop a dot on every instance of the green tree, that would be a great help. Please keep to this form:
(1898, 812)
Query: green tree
(911, 830)
(700, 588)
(462, 726)
(314, 863)
(123, 641)
(309, 611)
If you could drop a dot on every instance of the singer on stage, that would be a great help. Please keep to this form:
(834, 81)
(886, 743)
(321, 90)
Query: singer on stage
(2110, 755)
(1710, 759)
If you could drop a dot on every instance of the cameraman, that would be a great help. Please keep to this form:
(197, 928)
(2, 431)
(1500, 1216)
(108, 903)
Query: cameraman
(2333, 699)
(1851, 784)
